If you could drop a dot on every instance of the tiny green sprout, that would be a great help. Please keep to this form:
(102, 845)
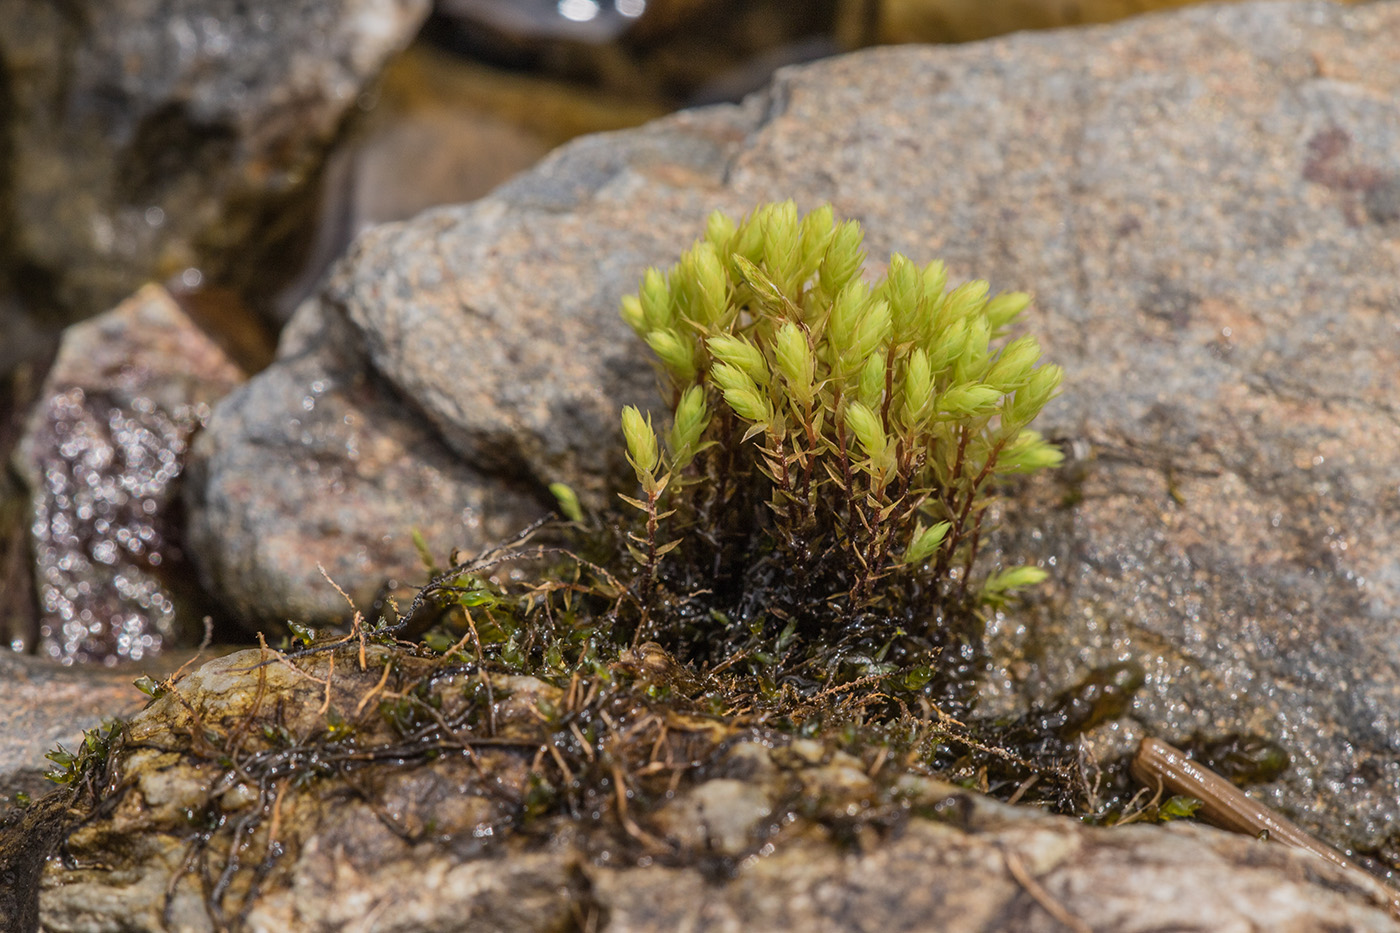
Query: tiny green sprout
(641, 441)
(439, 641)
(795, 360)
(337, 727)
(65, 769)
(305, 634)
(998, 585)
(568, 501)
(149, 686)
(740, 354)
(691, 419)
(91, 756)
(926, 542)
(1178, 807)
(425, 553)
(1014, 578)
(277, 735)
(868, 423)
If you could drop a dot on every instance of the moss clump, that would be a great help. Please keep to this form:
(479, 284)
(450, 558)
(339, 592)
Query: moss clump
(834, 445)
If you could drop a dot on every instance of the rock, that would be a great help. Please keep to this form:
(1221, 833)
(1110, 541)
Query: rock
(314, 475)
(721, 815)
(49, 705)
(149, 137)
(101, 456)
(422, 828)
(1197, 198)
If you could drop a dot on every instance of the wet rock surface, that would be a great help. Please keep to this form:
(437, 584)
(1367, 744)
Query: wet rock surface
(1199, 201)
(731, 829)
(681, 51)
(152, 137)
(101, 457)
(49, 705)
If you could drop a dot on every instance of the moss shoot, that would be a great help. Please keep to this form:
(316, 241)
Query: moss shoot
(818, 500)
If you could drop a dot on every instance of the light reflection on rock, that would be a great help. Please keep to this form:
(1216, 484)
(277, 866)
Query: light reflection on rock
(101, 458)
(97, 531)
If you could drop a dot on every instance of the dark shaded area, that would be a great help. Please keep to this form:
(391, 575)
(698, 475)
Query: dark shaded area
(28, 836)
(19, 609)
(167, 143)
(673, 52)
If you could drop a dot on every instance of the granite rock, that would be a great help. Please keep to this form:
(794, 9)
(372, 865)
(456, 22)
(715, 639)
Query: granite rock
(1202, 201)
(315, 475)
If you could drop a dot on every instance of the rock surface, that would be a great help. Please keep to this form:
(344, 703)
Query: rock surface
(49, 705)
(659, 50)
(101, 456)
(757, 833)
(1204, 202)
(151, 136)
(316, 472)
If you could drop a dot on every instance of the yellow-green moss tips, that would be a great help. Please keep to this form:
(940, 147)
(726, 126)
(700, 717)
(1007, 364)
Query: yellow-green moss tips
(875, 415)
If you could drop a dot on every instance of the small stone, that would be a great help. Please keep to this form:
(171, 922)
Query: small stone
(719, 817)
(100, 457)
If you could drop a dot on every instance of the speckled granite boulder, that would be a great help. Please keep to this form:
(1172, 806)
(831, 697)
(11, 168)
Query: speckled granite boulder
(147, 136)
(1204, 202)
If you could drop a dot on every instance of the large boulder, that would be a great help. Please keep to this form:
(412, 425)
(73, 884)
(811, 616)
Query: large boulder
(1205, 204)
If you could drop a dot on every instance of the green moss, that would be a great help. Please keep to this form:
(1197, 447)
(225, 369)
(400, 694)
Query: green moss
(816, 505)
(870, 420)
